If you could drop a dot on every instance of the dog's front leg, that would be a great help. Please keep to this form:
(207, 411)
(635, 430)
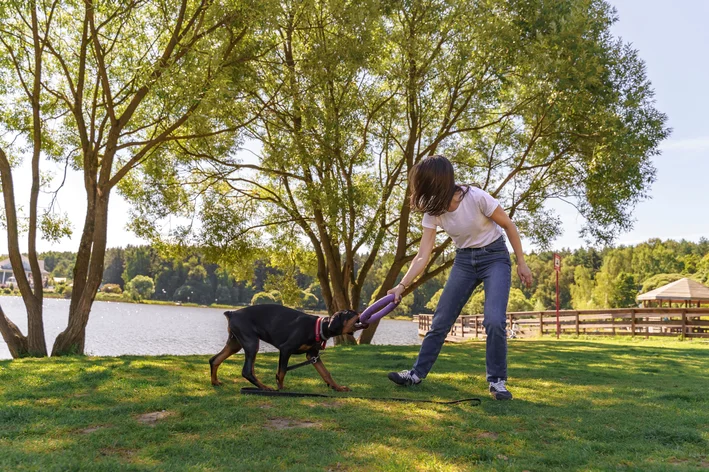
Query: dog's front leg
(283, 359)
(320, 367)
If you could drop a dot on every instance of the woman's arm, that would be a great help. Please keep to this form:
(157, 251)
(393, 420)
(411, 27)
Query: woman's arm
(428, 238)
(500, 217)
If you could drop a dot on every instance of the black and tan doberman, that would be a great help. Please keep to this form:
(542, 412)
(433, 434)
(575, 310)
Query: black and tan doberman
(288, 330)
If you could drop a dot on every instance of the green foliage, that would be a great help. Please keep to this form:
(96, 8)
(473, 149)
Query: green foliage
(308, 300)
(624, 291)
(58, 264)
(138, 261)
(589, 278)
(140, 287)
(659, 280)
(533, 100)
(476, 304)
(223, 295)
(289, 292)
(582, 289)
(433, 302)
(54, 226)
(518, 302)
(277, 296)
(111, 288)
(263, 298)
(316, 290)
(186, 294)
(702, 274)
(114, 267)
(405, 305)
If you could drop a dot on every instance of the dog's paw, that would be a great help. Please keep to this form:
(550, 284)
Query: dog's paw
(218, 383)
(341, 388)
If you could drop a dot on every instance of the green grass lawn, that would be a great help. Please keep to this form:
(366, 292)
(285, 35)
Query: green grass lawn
(579, 405)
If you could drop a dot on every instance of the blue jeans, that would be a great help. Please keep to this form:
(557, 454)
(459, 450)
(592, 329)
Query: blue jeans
(491, 266)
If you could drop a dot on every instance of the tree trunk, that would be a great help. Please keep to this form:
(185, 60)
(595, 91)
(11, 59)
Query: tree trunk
(37, 344)
(34, 344)
(88, 272)
(16, 341)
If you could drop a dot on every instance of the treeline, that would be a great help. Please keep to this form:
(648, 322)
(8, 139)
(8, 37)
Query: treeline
(613, 277)
(589, 278)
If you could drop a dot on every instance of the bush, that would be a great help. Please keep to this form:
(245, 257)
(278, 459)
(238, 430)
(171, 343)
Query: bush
(476, 304)
(263, 298)
(67, 292)
(277, 296)
(316, 290)
(111, 297)
(433, 302)
(404, 306)
(141, 287)
(308, 300)
(518, 302)
(111, 288)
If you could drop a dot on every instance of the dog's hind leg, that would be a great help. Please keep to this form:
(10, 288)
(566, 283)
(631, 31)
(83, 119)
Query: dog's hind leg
(232, 347)
(250, 350)
(282, 369)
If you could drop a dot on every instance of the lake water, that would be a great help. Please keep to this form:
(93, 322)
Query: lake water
(116, 329)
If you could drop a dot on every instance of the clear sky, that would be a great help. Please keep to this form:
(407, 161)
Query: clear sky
(673, 40)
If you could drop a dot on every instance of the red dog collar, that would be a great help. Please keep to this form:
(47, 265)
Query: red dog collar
(318, 338)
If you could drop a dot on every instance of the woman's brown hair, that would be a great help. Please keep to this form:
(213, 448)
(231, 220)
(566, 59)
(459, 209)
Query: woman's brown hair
(433, 185)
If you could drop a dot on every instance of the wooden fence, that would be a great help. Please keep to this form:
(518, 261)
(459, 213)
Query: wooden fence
(684, 322)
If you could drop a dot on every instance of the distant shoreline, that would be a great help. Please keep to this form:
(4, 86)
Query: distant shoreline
(119, 299)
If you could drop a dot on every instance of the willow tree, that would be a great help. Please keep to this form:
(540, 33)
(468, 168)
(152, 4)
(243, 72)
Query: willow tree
(23, 32)
(532, 101)
(129, 80)
(573, 112)
(313, 181)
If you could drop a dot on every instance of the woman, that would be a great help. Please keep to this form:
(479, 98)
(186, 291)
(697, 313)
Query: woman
(475, 221)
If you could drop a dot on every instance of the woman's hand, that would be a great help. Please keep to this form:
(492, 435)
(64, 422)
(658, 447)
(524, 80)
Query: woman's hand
(503, 220)
(525, 274)
(397, 291)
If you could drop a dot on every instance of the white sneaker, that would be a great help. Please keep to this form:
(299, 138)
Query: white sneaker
(499, 391)
(405, 378)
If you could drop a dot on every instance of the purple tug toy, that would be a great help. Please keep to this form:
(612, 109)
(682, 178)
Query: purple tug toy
(384, 306)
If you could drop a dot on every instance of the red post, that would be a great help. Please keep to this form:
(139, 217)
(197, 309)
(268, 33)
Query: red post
(557, 269)
(558, 326)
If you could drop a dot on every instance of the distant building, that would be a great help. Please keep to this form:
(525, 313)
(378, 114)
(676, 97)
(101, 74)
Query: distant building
(6, 271)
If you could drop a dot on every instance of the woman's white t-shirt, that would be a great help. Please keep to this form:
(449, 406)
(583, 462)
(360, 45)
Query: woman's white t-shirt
(469, 225)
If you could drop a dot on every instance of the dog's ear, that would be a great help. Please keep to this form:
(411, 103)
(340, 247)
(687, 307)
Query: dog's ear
(338, 321)
(336, 324)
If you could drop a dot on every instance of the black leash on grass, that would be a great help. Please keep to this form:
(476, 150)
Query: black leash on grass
(278, 393)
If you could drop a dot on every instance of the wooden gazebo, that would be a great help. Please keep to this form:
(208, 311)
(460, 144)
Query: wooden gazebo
(684, 291)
